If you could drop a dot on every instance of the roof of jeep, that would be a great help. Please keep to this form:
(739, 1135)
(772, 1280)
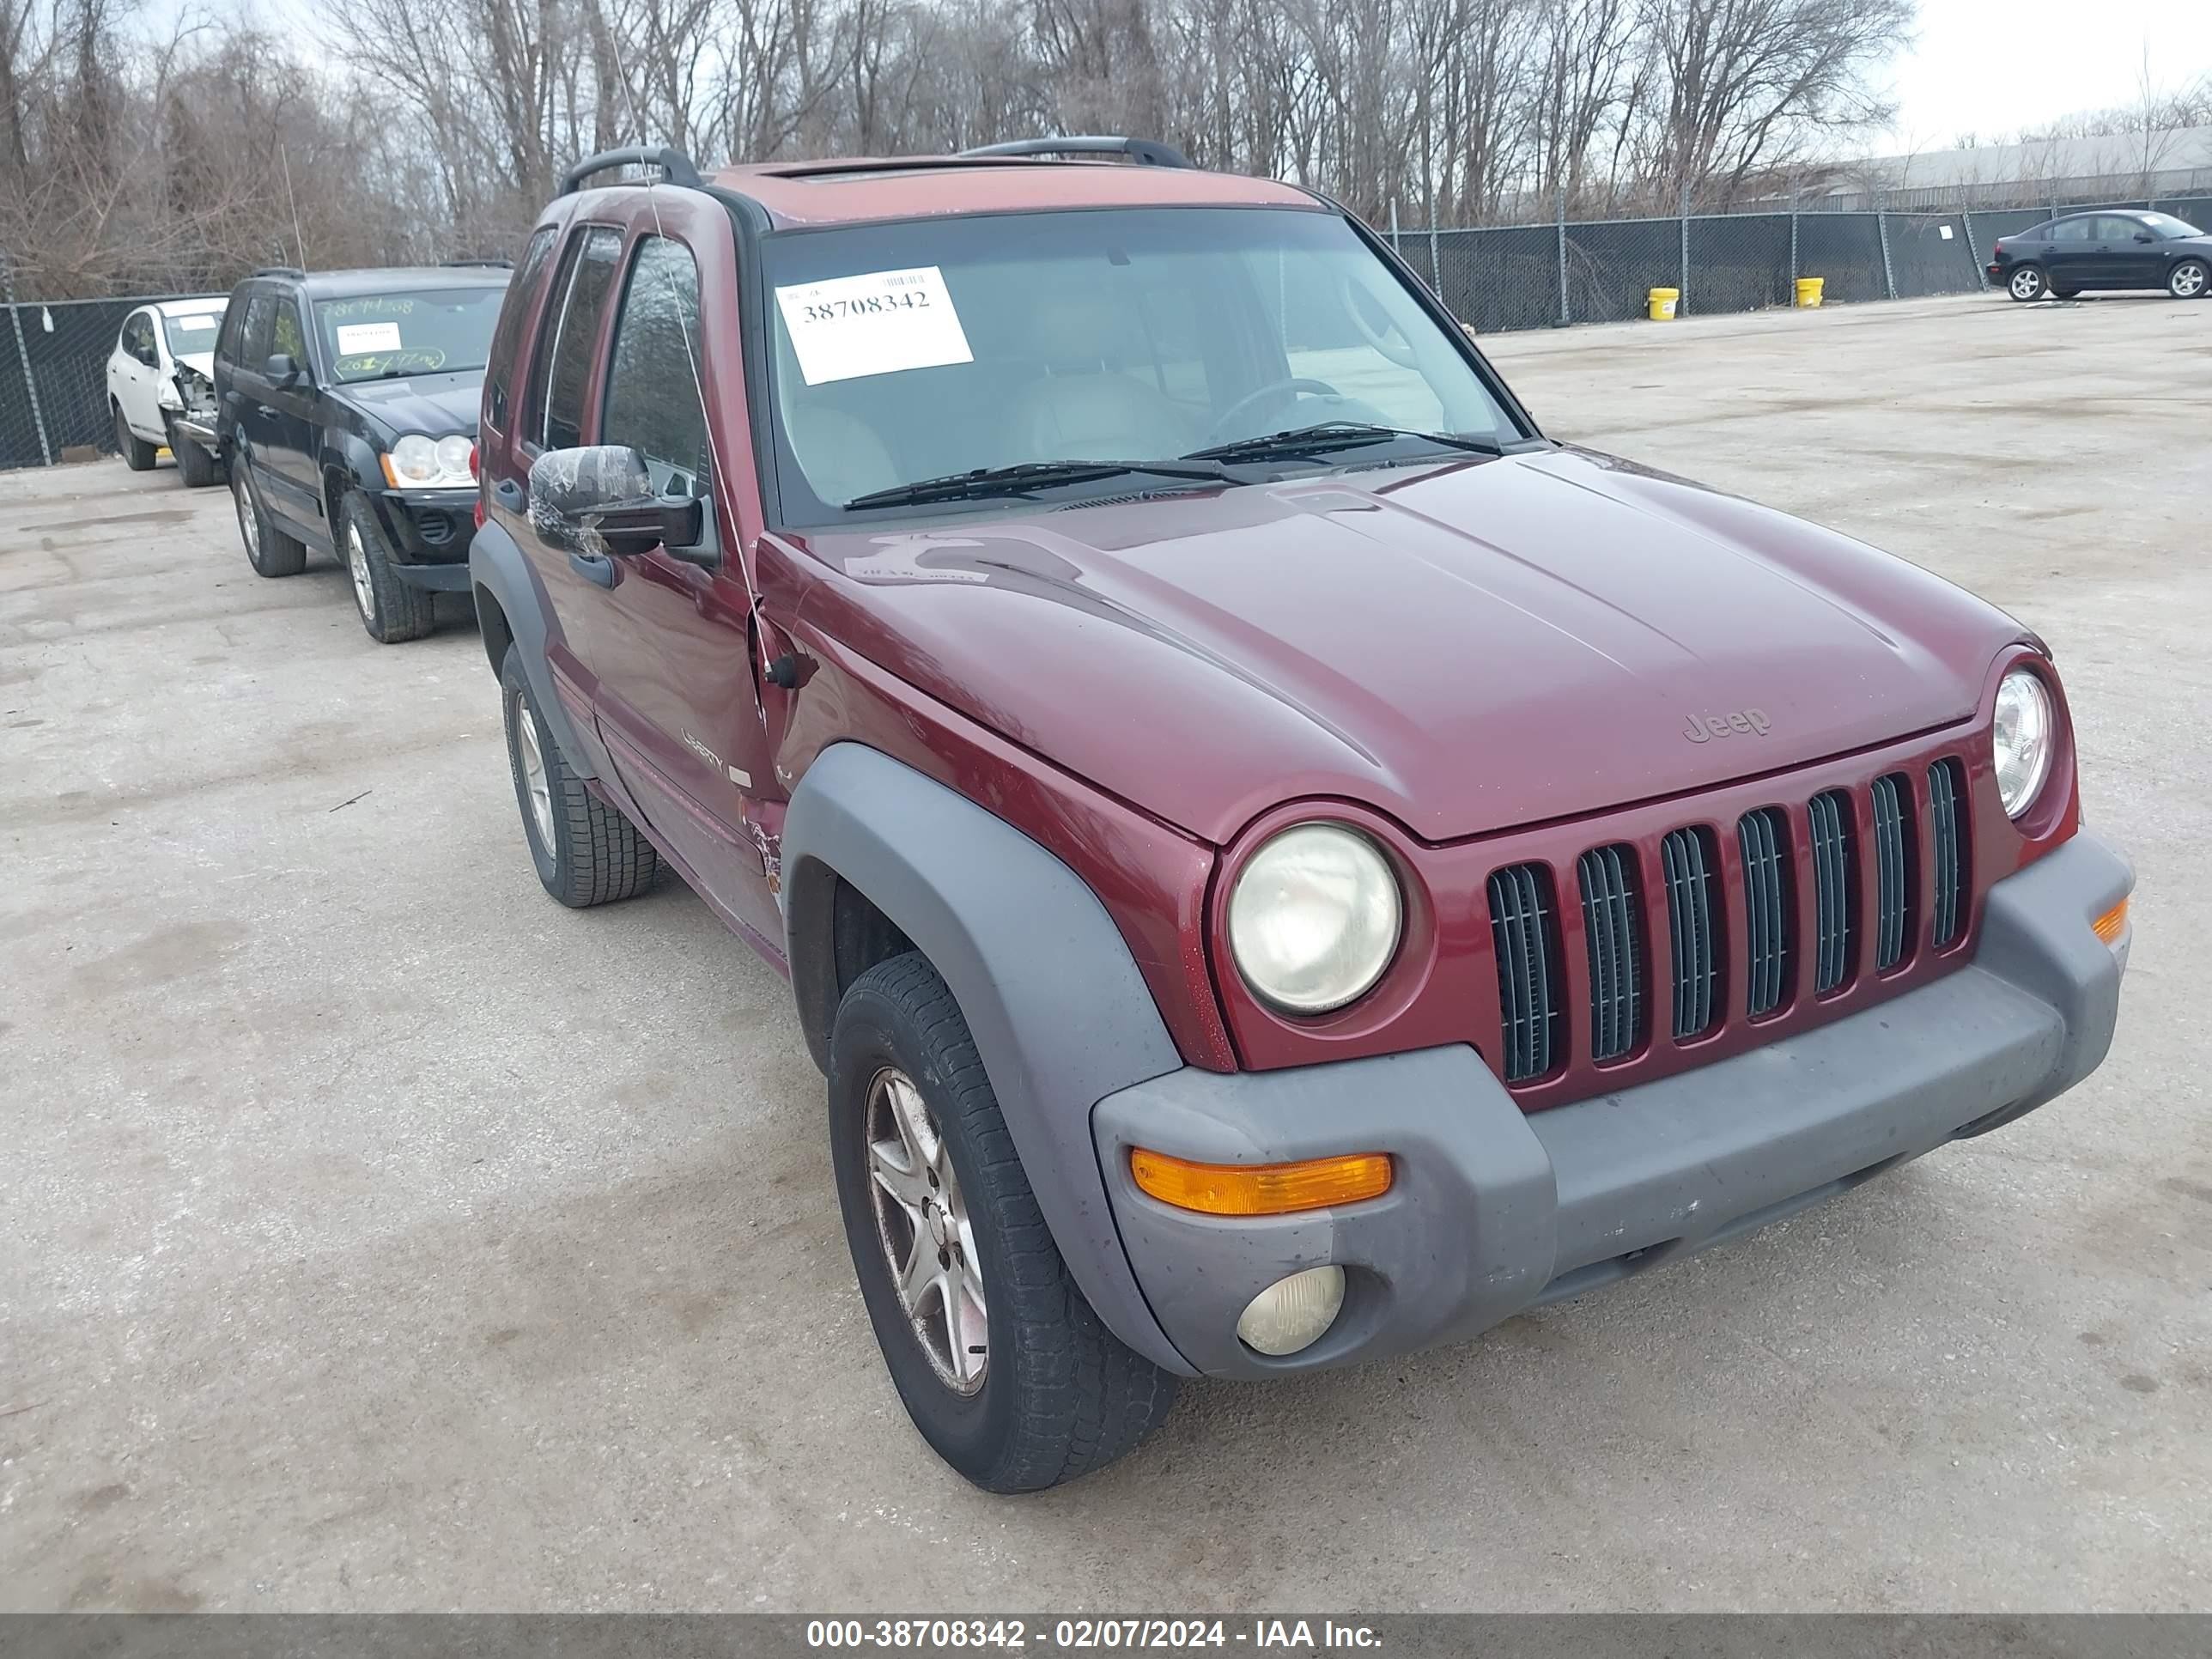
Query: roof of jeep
(854, 191)
(388, 279)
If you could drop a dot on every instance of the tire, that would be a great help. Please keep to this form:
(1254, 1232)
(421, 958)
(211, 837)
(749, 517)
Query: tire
(196, 468)
(2191, 279)
(391, 609)
(1057, 1395)
(586, 852)
(2065, 293)
(268, 550)
(2027, 282)
(137, 453)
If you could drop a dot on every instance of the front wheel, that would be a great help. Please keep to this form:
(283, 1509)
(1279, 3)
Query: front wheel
(391, 609)
(2189, 280)
(196, 468)
(997, 1356)
(2026, 283)
(137, 453)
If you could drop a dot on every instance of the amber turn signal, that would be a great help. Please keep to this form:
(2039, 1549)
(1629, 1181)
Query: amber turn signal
(1313, 1184)
(2114, 922)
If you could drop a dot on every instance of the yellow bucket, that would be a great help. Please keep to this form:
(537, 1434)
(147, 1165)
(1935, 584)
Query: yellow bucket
(1662, 304)
(1808, 292)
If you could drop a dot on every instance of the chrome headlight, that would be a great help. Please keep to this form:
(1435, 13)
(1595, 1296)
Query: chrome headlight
(1315, 918)
(423, 463)
(2022, 738)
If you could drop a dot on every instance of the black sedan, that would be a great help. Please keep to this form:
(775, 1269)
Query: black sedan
(2110, 248)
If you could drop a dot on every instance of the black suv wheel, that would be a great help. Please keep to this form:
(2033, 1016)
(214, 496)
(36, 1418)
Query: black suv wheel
(997, 1357)
(586, 851)
(391, 609)
(268, 550)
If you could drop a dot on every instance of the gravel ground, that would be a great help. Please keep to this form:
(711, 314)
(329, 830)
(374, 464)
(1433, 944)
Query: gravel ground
(382, 1236)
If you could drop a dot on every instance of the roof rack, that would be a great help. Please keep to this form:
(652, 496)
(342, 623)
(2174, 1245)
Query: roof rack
(675, 166)
(279, 270)
(469, 265)
(1145, 152)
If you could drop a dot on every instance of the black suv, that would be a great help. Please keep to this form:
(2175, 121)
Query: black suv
(346, 413)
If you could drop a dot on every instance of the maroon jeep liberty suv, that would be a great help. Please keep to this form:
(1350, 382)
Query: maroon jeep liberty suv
(1279, 862)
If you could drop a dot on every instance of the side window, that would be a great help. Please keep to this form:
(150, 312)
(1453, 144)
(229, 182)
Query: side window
(2118, 232)
(229, 347)
(285, 334)
(138, 339)
(2071, 230)
(259, 305)
(563, 364)
(521, 294)
(652, 376)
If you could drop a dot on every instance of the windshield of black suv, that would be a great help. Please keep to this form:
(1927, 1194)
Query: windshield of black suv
(915, 351)
(192, 335)
(2167, 228)
(371, 336)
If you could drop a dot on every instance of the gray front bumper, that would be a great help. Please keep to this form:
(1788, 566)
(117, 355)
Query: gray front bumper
(1494, 1210)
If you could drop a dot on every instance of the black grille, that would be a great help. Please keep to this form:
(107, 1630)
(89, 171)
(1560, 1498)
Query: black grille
(1893, 865)
(1521, 927)
(1831, 816)
(1946, 811)
(1687, 862)
(1607, 878)
(1765, 838)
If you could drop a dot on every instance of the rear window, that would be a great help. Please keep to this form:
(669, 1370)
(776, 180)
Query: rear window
(521, 294)
(381, 337)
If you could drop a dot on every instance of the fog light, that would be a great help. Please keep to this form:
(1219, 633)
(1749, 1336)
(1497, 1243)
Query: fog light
(1293, 1313)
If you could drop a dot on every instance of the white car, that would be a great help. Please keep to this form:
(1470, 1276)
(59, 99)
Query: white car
(160, 376)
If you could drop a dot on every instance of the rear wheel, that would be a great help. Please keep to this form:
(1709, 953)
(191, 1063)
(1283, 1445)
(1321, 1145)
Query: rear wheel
(586, 852)
(268, 550)
(137, 453)
(2189, 280)
(2027, 282)
(997, 1356)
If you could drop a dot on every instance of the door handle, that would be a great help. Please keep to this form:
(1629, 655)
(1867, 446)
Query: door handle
(594, 567)
(264, 412)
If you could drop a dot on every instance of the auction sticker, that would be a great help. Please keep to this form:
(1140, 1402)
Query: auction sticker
(355, 338)
(876, 324)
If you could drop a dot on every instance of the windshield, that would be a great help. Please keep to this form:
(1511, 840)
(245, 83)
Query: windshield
(927, 347)
(2167, 228)
(191, 336)
(431, 331)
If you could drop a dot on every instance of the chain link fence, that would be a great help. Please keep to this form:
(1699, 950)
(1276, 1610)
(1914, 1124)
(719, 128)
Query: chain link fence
(53, 354)
(1518, 276)
(53, 377)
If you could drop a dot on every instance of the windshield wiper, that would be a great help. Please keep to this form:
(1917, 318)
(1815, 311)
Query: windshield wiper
(1328, 436)
(1023, 477)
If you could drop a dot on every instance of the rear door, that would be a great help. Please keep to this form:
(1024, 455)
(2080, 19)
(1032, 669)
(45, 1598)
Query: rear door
(246, 397)
(291, 485)
(679, 706)
(2070, 256)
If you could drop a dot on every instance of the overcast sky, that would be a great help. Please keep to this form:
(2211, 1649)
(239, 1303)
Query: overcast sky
(1992, 66)
(1986, 67)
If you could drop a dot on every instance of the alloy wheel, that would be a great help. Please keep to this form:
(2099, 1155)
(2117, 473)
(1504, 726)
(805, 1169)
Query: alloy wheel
(2027, 284)
(364, 590)
(921, 1222)
(534, 781)
(2188, 281)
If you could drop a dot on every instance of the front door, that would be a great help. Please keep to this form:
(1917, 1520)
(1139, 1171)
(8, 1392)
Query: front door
(2122, 260)
(679, 706)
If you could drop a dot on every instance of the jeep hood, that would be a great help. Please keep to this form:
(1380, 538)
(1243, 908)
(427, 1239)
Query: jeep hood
(435, 405)
(1466, 647)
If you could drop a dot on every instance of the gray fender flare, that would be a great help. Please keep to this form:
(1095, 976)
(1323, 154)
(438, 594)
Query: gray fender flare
(1060, 1015)
(497, 568)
